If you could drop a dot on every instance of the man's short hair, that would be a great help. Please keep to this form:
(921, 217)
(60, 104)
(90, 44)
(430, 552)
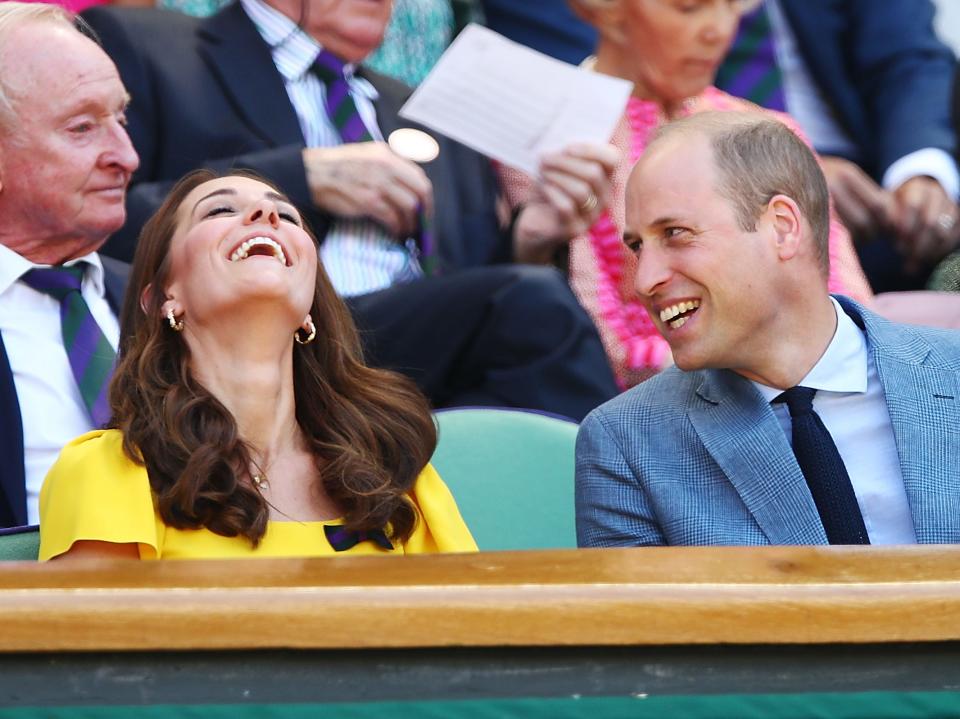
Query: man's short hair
(757, 158)
(12, 16)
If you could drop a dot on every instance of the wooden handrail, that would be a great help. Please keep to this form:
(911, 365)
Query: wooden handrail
(656, 596)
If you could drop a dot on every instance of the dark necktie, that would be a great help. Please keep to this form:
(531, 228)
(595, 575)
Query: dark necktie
(824, 470)
(341, 109)
(90, 353)
(750, 69)
(346, 119)
(342, 539)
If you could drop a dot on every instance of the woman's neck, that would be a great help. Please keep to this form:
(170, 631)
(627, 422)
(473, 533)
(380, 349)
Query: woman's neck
(611, 61)
(251, 374)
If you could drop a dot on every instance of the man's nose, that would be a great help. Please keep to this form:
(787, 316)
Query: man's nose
(652, 273)
(121, 152)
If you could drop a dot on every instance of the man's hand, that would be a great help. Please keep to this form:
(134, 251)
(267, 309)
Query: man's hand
(574, 189)
(368, 179)
(925, 220)
(863, 206)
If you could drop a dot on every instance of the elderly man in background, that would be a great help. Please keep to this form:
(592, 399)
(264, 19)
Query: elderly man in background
(275, 86)
(791, 416)
(869, 84)
(65, 162)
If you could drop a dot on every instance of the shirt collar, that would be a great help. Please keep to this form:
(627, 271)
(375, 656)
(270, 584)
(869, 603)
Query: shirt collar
(842, 368)
(13, 266)
(294, 51)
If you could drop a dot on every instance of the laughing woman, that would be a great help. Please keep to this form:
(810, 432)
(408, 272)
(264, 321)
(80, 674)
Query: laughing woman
(244, 421)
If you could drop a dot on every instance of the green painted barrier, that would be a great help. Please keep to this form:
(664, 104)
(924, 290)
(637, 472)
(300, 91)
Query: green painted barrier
(866, 705)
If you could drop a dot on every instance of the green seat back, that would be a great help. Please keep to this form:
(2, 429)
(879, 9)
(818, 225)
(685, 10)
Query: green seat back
(511, 473)
(20, 545)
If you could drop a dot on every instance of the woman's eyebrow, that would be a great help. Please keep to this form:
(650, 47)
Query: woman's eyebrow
(223, 191)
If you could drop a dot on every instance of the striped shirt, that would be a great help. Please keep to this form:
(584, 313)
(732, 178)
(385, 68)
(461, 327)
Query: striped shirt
(358, 254)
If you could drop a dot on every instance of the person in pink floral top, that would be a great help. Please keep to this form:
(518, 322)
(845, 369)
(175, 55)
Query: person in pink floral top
(670, 50)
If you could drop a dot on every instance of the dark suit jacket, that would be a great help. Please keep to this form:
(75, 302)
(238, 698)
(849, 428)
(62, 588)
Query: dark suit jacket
(549, 26)
(883, 70)
(13, 497)
(207, 93)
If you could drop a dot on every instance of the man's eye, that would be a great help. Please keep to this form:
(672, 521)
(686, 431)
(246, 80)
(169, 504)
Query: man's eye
(81, 127)
(674, 231)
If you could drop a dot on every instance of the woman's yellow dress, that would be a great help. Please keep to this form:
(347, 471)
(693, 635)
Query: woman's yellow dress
(94, 492)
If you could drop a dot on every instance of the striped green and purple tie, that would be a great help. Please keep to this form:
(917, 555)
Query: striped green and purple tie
(341, 109)
(345, 118)
(750, 69)
(90, 353)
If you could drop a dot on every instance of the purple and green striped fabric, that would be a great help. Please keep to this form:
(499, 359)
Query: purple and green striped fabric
(750, 70)
(90, 353)
(345, 117)
(341, 109)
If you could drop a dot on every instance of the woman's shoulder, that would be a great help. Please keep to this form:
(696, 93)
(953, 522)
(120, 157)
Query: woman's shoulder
(101, 446)
(95, 492)
(95, 463)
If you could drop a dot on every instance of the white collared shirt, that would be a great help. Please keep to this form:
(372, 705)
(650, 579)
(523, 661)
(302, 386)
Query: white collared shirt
(358, 255)
(808, 106)
(852, 405)
(51, 407)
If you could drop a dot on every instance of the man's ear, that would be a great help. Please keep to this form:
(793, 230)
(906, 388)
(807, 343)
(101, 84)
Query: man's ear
(785, 218)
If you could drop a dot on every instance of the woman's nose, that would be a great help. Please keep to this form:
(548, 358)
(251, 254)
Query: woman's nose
(263, 211)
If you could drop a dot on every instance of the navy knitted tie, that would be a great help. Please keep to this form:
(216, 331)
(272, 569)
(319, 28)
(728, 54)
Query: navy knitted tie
(824, 470)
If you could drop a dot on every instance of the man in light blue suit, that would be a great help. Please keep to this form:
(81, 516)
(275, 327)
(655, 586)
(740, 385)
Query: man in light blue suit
(728, 217)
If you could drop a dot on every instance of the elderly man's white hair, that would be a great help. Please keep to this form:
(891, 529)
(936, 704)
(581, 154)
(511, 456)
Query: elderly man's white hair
(12, 16)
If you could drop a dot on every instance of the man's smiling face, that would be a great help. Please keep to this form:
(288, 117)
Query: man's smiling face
(709, 285)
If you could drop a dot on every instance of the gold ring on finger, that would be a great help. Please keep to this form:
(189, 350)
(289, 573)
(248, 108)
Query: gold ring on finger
(588, 205)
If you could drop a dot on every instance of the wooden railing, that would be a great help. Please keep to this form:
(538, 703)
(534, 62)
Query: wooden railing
(667, 596)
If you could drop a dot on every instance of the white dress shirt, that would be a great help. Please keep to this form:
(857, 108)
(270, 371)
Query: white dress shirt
(52, 410)
(809, 107)
(852, 405)
(358, 254)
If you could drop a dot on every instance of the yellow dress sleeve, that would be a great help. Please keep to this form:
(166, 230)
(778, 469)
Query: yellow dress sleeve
(440, 527)
(94, 492)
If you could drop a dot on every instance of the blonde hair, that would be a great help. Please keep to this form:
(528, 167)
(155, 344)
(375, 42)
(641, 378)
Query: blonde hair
(12, 16)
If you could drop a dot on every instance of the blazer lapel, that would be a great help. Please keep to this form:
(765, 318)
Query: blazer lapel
(241, 59)
(743, 436)
(115, 276)
(923, 404)
(13, 491)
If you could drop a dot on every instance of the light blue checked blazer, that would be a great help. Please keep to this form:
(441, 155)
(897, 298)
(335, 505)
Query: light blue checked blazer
(698, 458)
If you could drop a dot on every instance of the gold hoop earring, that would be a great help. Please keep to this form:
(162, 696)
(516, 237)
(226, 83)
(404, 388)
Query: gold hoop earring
(310, 336)
(175, 324)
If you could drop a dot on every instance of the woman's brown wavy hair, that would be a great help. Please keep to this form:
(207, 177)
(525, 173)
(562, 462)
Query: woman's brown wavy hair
(370, 430)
